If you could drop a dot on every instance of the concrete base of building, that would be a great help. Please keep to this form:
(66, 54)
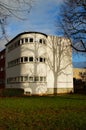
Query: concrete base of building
(59, 90)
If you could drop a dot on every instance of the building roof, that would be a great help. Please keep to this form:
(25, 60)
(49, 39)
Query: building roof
(24, 33)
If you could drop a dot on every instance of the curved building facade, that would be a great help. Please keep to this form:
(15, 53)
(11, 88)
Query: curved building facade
(27, 66)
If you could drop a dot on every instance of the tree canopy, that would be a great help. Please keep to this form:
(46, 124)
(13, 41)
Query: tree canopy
(73, 23)
(14, 8)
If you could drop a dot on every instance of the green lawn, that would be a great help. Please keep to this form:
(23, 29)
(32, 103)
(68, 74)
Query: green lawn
(66, 112)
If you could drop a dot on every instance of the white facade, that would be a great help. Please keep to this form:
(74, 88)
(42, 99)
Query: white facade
(30, 64)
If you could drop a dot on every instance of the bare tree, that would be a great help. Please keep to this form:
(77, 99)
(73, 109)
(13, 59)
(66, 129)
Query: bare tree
(73, 23)
(59, 59)
(14, 8)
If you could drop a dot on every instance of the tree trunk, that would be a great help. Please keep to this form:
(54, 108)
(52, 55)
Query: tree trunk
(55, 84)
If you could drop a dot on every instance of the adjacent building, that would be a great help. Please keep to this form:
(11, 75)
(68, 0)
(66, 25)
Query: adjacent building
(2, 69)
(39, 64)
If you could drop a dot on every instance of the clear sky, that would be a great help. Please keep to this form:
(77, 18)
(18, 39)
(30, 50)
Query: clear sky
(42, 18)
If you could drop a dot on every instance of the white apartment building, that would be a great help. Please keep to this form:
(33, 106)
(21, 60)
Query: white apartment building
(39, 64)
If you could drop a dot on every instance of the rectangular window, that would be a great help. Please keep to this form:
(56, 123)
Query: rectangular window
(21, 59)
(44, 42)
(31, 40)
(26, 39)
(41, 59)
(25, 78)
(44, 59)
(25, 59)
(41, 79)
(30, 78)
(40, 40)
(36, 78)
(21, 78)
(30, 59)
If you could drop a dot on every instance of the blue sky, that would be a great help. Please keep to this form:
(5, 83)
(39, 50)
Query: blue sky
(42, 18)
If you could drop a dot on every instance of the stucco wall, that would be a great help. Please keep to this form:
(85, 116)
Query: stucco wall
(35, 49)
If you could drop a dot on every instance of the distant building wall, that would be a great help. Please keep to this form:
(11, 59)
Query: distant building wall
(2, 69)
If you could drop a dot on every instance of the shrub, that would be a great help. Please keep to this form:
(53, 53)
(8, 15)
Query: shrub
(10, 92)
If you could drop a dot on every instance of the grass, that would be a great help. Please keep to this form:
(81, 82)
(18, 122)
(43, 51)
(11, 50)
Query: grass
(67, 112)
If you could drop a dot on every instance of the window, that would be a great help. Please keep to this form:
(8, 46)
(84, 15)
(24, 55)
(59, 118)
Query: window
(40, 40)
(25, 59)
(26, 39)
(25, 78)
(30, 78)
(44, 59)
(44, 42)
(36, 78)
(30, 58)
(41, 59)
(21, 59)
(21, 78)
(41, 78)
(31, 39)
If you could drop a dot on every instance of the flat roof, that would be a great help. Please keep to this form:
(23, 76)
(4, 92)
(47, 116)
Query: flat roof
(24, 33)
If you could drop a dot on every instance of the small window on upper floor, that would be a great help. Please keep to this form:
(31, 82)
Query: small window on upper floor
(21, 59)
(25, 59)
(44, 41)
(31, 39)
(30, 78)
(41, 59)
(41, 78)
(26, 39)
(36, 78)
(40, 40)
(30, 58)
(44, 59)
